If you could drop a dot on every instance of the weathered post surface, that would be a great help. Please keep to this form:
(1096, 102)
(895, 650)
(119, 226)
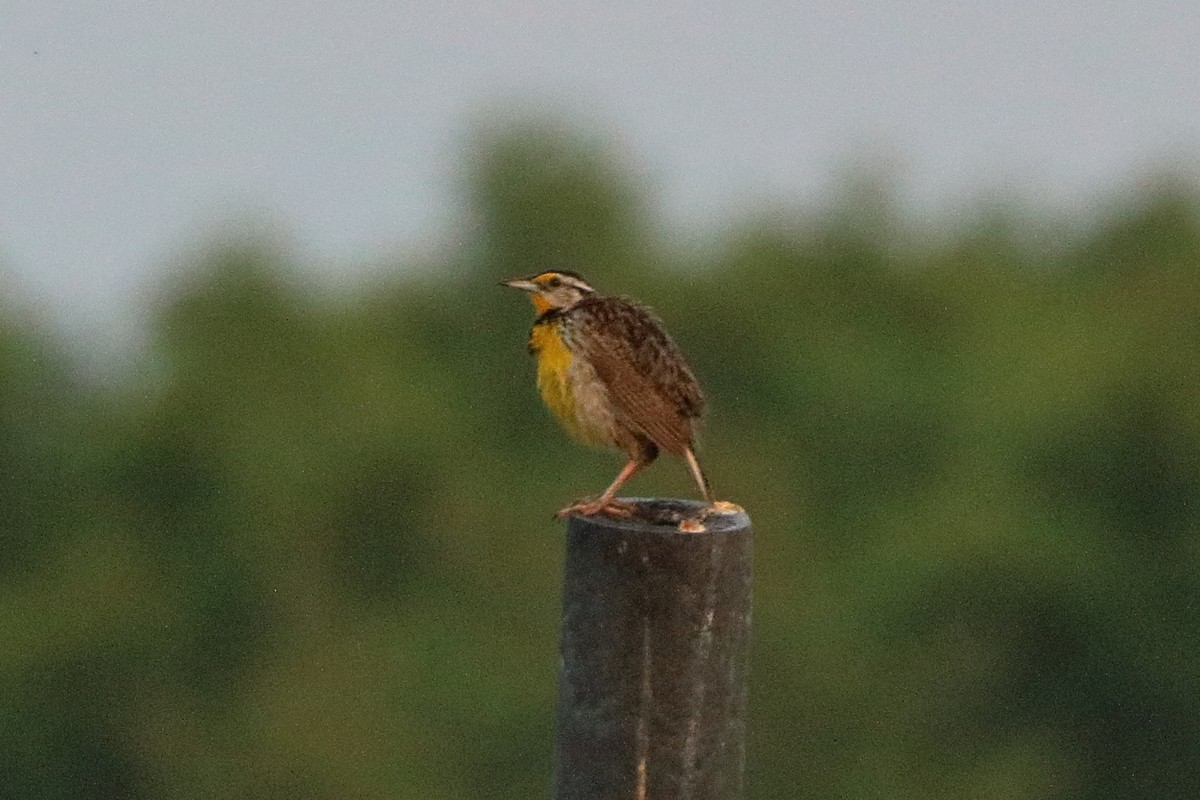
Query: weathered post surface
(654, 645)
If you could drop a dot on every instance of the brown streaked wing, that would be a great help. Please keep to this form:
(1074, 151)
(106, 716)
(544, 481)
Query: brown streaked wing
(647, 378)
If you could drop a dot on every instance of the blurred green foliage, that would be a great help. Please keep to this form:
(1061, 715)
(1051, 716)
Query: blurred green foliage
(304, 549)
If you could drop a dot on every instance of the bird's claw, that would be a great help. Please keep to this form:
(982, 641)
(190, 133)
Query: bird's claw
(592, 507)
(719, 508)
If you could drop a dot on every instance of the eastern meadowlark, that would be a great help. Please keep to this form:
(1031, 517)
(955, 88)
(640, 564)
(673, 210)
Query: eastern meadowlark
(614, 378)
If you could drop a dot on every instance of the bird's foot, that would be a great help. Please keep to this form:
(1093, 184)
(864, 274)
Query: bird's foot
(592, 506)
(719, 508)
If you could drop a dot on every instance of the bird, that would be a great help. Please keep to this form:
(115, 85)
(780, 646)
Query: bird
(613, 377)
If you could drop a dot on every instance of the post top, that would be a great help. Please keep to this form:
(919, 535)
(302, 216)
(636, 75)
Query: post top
(663, 515)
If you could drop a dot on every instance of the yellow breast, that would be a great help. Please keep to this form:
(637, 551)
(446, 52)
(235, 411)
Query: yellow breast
(570, 387)
(553, 367)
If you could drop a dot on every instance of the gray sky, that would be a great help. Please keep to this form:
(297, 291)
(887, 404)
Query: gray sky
(130, 130)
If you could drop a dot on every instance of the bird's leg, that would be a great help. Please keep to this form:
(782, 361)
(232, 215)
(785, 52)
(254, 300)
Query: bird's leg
(696, 524)
(607, 502)
(697, 473)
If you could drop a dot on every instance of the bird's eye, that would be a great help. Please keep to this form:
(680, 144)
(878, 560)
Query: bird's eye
(554, 283)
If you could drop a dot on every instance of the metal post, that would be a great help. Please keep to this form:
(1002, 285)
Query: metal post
(654, 644)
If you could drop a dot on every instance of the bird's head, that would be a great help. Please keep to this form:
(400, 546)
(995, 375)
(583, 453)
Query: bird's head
(553, 291)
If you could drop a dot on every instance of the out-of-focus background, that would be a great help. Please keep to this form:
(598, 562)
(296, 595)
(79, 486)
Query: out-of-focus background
(275, 484)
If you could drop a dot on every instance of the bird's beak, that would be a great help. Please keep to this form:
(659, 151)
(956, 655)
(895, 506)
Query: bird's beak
(521, 283)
